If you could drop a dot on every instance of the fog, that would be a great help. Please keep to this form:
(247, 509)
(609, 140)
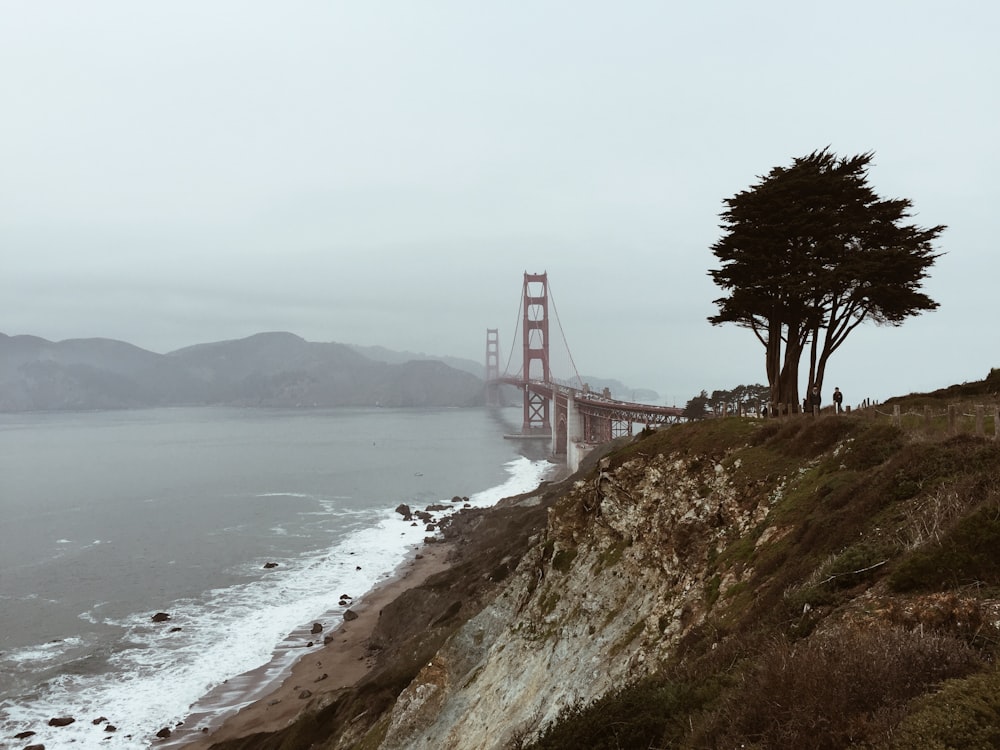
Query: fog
(384, 173)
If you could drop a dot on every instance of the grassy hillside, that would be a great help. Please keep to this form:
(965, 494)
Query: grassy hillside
(868, 600)
(840, 588)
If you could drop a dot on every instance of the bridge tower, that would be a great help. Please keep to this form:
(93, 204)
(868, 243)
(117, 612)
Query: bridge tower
(492, 367)
(535, 327)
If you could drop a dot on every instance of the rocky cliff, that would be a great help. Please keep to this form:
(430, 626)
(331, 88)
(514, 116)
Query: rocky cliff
(820, 583)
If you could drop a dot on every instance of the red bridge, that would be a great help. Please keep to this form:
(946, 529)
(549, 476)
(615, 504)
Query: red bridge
(572, 418)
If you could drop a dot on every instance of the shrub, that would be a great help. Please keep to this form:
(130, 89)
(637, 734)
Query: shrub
(563, 559)
(636, 716)
(833, 689)
(967, 553)
(963, 714)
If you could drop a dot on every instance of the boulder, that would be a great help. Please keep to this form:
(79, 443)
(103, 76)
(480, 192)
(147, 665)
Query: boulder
(164, 733)
(437, 507)
(269, 565)
(161, 617)
(110, 728)
(24, 735)
(350, 614)
(316, 628)
(404, 510)
(61, 721)
(99, 720)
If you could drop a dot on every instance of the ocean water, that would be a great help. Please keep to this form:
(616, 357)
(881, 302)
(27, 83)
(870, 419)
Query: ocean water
(107, 518)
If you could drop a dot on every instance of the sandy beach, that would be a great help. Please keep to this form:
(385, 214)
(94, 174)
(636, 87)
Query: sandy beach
(318, 670)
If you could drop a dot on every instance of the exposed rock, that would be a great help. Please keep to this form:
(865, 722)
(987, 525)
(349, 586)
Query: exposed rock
(350, 614)
(316, 628)
(61, 721)
(269, 565)
(99, 720)
(110, 728)
(305, 694)
(548, 642)
(437, 507)
(35, 747)
(164, 733)
(404, 510)
(161, 617)
(24, 735)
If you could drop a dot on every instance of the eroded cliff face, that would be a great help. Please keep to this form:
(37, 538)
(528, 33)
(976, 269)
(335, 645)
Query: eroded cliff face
(765, 577)
(599, 600)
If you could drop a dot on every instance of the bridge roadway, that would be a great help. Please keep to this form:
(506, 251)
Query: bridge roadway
(581, 419)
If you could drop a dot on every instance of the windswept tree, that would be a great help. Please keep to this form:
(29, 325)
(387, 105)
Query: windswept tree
(808, 254)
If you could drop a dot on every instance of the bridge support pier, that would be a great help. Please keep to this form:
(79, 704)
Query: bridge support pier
(577, 443)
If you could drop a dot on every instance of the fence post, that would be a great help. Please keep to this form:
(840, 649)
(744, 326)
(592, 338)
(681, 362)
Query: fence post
(951, 418)
(896, 420)
(980, 410)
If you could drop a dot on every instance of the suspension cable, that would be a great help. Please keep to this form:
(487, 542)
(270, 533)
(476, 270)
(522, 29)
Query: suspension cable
(579, 380)
(513, 340)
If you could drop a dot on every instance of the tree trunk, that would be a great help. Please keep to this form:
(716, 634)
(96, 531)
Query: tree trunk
(814, 378)
(789, 377)
(773, 359)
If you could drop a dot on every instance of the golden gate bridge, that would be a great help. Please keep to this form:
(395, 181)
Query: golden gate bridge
(565, 412)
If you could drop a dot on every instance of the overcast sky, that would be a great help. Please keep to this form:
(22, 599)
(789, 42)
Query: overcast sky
(384, 172)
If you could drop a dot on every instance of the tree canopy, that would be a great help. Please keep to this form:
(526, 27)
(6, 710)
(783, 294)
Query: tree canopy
(808, 254)
(743, 397)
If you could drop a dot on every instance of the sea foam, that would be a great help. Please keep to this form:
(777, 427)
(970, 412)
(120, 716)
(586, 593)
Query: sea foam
(162, 670)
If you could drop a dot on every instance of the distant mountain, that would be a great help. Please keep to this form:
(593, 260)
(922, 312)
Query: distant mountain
(268, 369)
(617, 389)
(621, 391)
(381, 354)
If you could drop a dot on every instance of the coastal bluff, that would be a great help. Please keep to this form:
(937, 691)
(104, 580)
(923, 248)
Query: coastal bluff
(782, 583)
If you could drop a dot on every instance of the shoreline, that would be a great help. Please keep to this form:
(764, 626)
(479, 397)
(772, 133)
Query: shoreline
(275, 694)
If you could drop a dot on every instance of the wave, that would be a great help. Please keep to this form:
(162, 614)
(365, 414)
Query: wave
(158, 671)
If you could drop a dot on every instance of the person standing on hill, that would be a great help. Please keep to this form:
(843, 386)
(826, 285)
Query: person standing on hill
(838, 399)
(814, 398)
